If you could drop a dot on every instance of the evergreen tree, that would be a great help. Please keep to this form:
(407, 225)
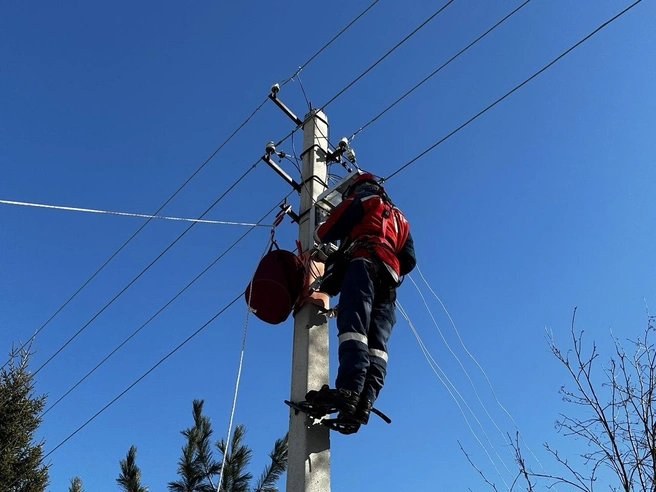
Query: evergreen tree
(196, 466)
(21, 466)
(130, 478)
(273, 471)
(199, 472)
(76, 485)
(235, 477)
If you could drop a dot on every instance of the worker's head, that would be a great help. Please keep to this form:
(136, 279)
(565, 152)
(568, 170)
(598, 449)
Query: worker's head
(363, 179)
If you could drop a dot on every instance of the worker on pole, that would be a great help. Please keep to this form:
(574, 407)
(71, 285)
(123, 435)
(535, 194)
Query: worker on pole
(376, 250)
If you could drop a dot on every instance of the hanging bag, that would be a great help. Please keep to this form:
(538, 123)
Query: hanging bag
(276, 286)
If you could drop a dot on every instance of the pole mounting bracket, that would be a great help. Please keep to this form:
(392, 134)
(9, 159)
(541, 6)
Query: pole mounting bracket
(267, 158)
(285, 109)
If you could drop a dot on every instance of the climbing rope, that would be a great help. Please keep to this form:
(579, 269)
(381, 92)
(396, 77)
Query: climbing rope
(270, 242)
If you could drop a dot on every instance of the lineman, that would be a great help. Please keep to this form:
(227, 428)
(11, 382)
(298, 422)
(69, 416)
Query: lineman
(376, 249)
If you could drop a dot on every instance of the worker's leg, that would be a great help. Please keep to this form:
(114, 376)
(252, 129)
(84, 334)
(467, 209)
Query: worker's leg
(382, 321)
(383, 318)
(353, 320)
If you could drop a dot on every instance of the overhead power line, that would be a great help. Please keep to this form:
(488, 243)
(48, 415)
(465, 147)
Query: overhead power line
(371, 67)
(145, 269)
(184, 342)
(211, 156)
(135, 233)
(389, 52)
(344, 29)
(439, 69)
(159, 311)
(128, 214)
(516, 88)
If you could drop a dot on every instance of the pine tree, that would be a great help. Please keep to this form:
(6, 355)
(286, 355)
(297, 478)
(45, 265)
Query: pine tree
(199, 472)
(235, 477)
(76, 485)
(130, 477)
(196, 466)
(21, 466)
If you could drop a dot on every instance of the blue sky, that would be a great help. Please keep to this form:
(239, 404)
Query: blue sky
(541, 204)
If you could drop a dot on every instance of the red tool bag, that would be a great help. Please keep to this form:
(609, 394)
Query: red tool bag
(276, 285)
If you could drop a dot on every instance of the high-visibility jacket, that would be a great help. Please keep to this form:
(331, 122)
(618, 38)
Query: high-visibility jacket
(372, 226)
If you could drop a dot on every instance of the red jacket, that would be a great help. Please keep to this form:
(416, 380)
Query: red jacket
(374, 226)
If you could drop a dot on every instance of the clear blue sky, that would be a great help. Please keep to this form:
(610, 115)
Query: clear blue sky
(542, 204)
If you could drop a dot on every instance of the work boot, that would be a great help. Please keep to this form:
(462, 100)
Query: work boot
(363, 410)
(347, 402)
(324, 395)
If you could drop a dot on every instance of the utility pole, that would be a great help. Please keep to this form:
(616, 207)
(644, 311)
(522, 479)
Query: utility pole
(308, 461)
(308, 456)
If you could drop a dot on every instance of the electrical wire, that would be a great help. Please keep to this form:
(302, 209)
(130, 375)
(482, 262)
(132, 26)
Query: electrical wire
(184, 342)
(344, 29)
(300, 83)
(146, 268)
(517, 87)
(439, 69)
(389, 52)
(167, 304)
(212, 155)
(371, 67)
(128, 214)
(134, 234)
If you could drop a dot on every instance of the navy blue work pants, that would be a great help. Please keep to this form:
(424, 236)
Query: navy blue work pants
(365, 318)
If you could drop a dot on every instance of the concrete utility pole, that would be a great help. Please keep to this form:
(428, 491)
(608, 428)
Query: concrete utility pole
(308, 462)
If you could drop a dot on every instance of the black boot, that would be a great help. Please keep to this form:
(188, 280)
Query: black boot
(363, 410)
(347, 402)
(343, 400)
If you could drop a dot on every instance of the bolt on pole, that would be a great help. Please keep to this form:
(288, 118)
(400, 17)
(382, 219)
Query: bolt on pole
(308, 461)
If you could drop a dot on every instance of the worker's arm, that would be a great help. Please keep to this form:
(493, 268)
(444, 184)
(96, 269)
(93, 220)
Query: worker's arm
(341, 220)
(407, 258)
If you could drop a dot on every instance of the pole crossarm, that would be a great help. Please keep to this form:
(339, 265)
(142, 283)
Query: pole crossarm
(291, 181)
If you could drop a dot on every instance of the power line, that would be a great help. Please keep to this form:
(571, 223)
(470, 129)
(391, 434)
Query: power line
(145, 269)
(389, 52)
(440, 68)
(225, 308)
(212, 155)
(178, 238)
(118, 347)
(113, 255)
(128, 214)
(344, 29)
(526, 81)
(371, 67)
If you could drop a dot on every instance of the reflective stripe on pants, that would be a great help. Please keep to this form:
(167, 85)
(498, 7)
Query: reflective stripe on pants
(364, 326)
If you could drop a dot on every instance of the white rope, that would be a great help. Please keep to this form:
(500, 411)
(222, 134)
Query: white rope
(487, 379)
(241, 362)
(128, 214)
(444, 379)
(471, 382)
